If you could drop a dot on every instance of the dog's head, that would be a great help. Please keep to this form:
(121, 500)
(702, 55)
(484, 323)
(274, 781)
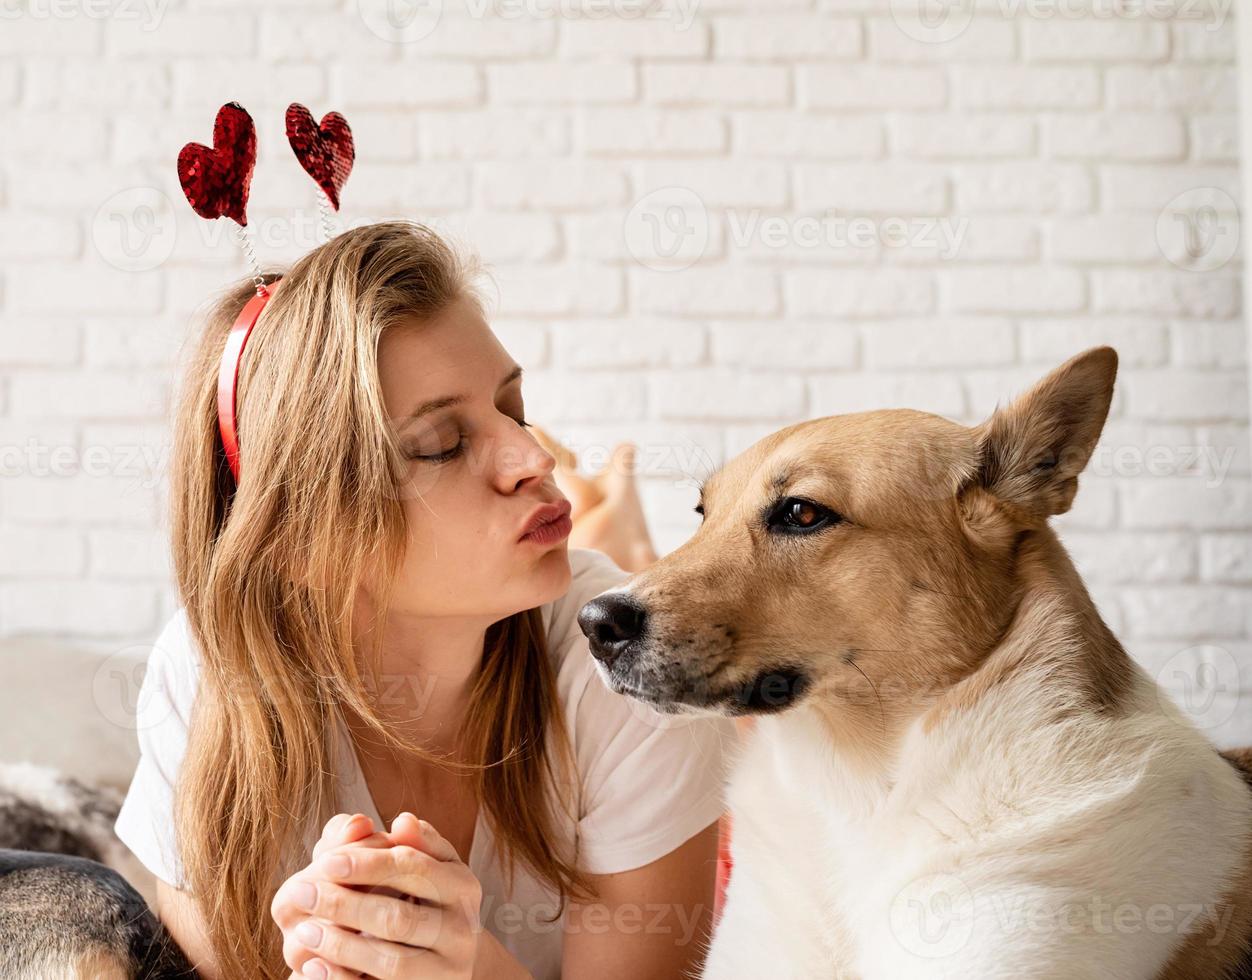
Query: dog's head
(860, 558)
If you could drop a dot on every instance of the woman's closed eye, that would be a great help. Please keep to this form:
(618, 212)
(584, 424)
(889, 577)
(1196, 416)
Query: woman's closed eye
(452, 452)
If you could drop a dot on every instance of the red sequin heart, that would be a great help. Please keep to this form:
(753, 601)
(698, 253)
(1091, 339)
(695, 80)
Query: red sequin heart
(216, 179)
(325, 151)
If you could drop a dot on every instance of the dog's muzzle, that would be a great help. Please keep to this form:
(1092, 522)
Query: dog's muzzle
(612, 623)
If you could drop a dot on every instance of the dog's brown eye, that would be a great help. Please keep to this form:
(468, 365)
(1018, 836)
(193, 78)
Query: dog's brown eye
(794, 514)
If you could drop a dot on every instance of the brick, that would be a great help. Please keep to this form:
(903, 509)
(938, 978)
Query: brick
(621, 38)
(612, 131)
(559, 185)
(1183, 611)
(1176, 87)
(178, 33)
(408, 85)
(556, 290)
(984, 39)
(786, 37)
(1210, 345)
(526, 340)
(706, 292)
(1013, 290)
(955, 343)
(1118, 136)
(1129, 186)
(895, 189)
(719, 183)
(868, 293)
(25, 343)
(806, 346)
(58, 137)
(1112, 39)
(1122, 557)
(1175, 393)
(79, 499)
(717, 84)
(1121, 238)
(1161, 504)
(42, 552)
(954, 136)
(1158, 293)
(1226, 557)
(1034, 188)
(39, 236)
(510, 237)
(129, 554)
(99, 394)
(561, 83)
(1197, 41)
(647, 343)
(79, 84)
(1139, 342)
(77, 608)
(493, 134)
(1215, 139)
(1022, 86)
(555, 397)
(720, 393)
(937, 392)
(41, 289)
(807, 135)
(871, 87)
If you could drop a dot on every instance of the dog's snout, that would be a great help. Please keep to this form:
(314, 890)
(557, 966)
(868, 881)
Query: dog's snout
(611, 622)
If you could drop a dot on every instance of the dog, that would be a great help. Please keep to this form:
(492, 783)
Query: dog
(954, 770)
(67, 908)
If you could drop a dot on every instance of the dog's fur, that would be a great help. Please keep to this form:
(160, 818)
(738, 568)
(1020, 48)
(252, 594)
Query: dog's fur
(957, 771)
(67, 909)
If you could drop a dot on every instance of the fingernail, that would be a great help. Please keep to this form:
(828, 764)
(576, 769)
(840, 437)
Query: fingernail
(305, 895)
(338, 865)
(425, 825)
(315, 969)
(309, 933)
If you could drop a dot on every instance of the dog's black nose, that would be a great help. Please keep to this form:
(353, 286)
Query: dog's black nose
(611, 622)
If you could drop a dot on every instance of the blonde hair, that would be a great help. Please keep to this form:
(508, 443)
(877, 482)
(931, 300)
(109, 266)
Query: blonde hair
(268, 574)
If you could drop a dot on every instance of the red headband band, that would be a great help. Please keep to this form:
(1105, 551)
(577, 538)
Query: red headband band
(228, 373)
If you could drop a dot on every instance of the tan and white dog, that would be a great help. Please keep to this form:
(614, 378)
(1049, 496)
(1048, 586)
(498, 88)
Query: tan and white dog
(957, 771)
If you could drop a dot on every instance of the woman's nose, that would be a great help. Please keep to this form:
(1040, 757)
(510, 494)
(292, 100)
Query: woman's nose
(521, 458)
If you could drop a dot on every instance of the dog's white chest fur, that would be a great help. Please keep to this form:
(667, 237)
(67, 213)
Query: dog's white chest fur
(1005, 843)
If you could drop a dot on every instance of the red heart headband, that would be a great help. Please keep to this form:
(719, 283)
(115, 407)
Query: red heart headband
(216, 181)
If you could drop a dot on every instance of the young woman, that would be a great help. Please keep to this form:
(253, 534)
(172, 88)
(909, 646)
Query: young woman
(374, 630)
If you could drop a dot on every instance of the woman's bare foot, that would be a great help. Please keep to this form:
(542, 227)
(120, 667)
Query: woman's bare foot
(606, 510)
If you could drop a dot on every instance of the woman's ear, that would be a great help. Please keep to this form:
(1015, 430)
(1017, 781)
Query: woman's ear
(1031, 451)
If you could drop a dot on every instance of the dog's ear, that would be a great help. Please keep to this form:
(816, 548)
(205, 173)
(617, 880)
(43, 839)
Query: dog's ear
(1031, 451)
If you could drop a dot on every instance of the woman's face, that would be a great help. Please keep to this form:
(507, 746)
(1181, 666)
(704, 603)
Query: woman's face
(474, 473)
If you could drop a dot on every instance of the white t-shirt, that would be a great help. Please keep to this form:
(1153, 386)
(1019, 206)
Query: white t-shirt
(651, 781)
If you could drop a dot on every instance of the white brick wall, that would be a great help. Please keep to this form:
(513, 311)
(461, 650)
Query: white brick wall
(666, 200)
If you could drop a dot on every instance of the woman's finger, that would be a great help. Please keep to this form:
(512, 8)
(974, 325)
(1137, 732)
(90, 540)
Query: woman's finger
(318, 969)
(400, 867)
(365, 954)
(394, 919)
(343, 829)
(408, 829)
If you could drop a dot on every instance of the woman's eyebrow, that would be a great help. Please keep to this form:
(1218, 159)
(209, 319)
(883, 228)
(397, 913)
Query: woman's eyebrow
(448, 400)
